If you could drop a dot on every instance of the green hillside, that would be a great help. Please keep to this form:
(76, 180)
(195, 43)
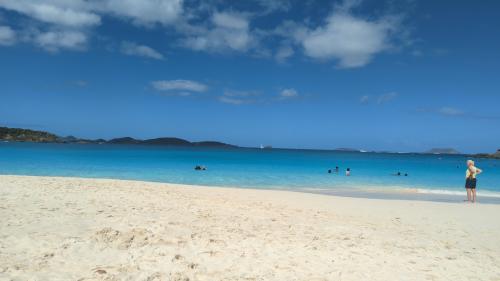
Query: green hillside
(16, 134)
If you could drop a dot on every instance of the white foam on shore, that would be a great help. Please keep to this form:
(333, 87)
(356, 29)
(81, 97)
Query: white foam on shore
(457, 193)
(402, 190)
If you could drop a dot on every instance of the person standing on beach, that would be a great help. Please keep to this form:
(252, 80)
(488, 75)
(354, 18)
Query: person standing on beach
(471, 181)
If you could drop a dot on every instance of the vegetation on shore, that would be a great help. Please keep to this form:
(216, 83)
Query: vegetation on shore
(25, 135)
(16, 134)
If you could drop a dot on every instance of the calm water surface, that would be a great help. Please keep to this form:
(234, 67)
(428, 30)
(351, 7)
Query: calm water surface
(302, 170)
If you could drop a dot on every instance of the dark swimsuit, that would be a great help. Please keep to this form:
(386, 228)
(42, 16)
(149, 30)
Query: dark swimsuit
(470, 183)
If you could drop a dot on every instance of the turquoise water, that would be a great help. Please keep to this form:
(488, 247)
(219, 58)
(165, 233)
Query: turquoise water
(304, 170)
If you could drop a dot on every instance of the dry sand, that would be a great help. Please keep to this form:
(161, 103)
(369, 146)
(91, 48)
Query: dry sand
(92, 229)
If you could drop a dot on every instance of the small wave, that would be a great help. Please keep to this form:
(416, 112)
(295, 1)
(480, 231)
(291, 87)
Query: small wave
(455, 192)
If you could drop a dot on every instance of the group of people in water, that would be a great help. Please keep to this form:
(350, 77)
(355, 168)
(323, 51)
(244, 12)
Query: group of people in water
(470, 177)
(336, 171)
(348, 172)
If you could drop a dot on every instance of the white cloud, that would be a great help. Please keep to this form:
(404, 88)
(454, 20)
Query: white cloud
(233, 93)
(455, 112)
(364, 99)
(81, 83)
(274, 5)
(235, 101)
(7, 36)
(283, 53)
(66, 23)
(63, 23)
(55, 40)
(230, 21)
(228, 31)
(133, 49)
(384, 98)
(183, 86)
(239, 97)
(350, 40)
(80, 13)
(417, 53)
(450, 111)
(68, 13)
(143, 11)
(378, 99)
(256, 97)
(289, 93)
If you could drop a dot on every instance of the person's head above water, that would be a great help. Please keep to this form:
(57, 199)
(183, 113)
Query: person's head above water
(470, 163)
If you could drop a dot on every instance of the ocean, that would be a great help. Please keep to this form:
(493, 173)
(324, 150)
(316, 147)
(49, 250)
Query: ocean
(430, 177)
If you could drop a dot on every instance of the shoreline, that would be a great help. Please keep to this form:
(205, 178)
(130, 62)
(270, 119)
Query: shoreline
(61, 228)
(365, 192)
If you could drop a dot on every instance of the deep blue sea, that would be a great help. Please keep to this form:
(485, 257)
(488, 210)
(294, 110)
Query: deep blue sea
(372, 174)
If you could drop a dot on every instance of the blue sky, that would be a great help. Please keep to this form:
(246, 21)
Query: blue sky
(375, 75)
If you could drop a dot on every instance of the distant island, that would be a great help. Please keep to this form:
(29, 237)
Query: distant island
(495, 155)
(443, 151)
(347, 149)
(25, 135)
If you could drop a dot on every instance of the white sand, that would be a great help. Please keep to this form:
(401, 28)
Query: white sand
(87, 229)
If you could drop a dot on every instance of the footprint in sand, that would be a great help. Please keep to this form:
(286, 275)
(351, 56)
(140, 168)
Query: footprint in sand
(178, 276)
(157, 276)
(137, 237)
(100, 271)
(177, 258)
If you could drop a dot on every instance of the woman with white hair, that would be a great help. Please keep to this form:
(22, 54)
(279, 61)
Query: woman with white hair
(471, 181)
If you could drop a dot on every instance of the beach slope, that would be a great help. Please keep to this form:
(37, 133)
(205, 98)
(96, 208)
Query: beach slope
(92, 229)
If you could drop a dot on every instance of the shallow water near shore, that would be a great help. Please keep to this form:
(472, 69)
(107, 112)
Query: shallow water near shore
(430, 177)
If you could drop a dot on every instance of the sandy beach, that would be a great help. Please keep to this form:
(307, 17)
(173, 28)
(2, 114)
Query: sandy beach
(93, 229)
